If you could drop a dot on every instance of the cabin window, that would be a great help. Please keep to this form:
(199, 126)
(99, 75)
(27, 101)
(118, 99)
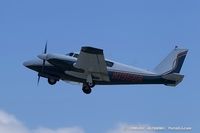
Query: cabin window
(109, 63)
(75, 55)
(70, 54)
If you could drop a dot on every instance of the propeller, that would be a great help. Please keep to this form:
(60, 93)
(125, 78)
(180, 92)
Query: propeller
(43, 63)
(38, 80)
(44, 60)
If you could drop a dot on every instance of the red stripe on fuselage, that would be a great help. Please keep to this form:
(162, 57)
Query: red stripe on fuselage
(127, 77)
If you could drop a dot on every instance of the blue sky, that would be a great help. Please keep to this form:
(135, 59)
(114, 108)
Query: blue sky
(135, 32)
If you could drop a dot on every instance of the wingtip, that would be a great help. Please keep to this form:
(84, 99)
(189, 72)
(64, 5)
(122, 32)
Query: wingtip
(92, 50)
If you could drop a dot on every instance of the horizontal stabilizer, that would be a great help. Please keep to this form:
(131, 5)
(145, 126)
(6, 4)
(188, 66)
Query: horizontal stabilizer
(177, 78)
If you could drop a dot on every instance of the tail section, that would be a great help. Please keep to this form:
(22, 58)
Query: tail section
(172, 63)
(170, 67)
(175, 79)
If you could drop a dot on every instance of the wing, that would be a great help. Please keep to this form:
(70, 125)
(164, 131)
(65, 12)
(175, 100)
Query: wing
(92, 61)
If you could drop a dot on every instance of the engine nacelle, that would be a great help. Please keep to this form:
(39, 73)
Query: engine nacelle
(49, 76)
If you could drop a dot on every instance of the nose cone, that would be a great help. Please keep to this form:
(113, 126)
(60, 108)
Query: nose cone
(32, 63)
(35, 65)
(28, 64)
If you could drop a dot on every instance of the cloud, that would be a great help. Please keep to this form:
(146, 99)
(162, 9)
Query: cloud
(60, 130)
(127, 128)
(9, 124)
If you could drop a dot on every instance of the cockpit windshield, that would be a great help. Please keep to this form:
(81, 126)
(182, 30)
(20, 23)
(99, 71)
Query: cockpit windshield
(109, 63)
(70, 54)
(75, 55)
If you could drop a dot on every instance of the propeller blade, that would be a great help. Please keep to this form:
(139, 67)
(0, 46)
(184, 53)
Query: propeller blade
(45, 49)
(38, 81)
(43, 65)
(42, 56)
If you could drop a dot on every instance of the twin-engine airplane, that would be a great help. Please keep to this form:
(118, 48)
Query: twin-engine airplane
(90, 68)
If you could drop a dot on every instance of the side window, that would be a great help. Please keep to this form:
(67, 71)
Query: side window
(109, 64)
(71, 54)
(76, 55)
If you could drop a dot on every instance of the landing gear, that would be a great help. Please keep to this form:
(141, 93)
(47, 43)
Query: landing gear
(91, 84)
(52, 81)
(88, 84)
(86, 88)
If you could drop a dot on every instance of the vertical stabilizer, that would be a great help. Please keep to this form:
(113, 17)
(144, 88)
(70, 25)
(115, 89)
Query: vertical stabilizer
(172, 63)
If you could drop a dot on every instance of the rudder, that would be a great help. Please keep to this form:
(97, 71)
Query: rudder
(172, 63)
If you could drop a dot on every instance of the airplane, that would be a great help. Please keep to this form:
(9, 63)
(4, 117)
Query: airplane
(90, 68)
